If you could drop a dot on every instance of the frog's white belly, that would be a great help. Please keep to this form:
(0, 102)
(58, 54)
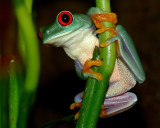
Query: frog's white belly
(78, 45)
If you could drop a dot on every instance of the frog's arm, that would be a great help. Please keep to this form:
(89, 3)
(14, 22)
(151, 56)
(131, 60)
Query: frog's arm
(79, 67)
(85, 71)
(128, 53)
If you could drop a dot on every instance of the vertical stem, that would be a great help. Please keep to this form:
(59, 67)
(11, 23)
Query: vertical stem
(4, 100)
(103, 5)
(1, 100)
(0, 103)
(13, 97)
(95, 90)
(25, 22)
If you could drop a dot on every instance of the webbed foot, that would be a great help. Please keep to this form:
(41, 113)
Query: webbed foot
(98, 18)
(73, 106)
(88, 72)
(103, 111)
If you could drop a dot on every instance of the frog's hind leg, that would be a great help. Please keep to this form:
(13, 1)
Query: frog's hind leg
(78, 104)
(73, 106)
(125, 81)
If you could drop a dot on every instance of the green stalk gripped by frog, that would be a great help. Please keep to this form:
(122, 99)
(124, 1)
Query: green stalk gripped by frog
(95, 90)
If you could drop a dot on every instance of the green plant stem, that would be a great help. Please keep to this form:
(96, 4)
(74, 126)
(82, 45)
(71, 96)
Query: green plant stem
(0, 103)
(25, 22)
(95, 90)
(13, 96)
(28, 5)
(4, 100)
(22, 46)
(21, 41)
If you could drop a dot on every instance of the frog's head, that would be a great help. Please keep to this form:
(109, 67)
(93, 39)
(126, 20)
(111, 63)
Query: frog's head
(65, 24)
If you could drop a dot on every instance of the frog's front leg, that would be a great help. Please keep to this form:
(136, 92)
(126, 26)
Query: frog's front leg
(88, 72)
(98, 18)
(85, 71)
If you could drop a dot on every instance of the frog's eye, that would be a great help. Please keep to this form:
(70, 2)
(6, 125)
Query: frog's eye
(39, 35)
(65, 18)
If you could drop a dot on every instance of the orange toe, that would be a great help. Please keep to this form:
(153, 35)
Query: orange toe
(74, 105)
(103, 112)
(86, 69)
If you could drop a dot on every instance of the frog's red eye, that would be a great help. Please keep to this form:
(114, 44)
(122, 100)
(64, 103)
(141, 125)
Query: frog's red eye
(39, 35)
(65, 18)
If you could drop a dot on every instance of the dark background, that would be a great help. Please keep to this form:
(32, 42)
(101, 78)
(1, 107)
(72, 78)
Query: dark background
(58, 82)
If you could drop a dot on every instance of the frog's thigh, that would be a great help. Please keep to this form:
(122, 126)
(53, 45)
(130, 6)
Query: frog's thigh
(115, 76)
(124, 81)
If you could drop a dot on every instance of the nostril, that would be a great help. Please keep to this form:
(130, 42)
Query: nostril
(39, 34)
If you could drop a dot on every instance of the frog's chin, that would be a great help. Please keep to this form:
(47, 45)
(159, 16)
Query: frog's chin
(120, 103)
(116, 104)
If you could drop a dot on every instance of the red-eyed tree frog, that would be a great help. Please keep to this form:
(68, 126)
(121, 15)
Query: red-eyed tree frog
(76, 34)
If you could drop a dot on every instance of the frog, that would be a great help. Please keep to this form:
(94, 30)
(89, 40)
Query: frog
(77, 34)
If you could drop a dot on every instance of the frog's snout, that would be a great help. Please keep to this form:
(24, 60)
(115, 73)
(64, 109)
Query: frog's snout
(39, 35)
